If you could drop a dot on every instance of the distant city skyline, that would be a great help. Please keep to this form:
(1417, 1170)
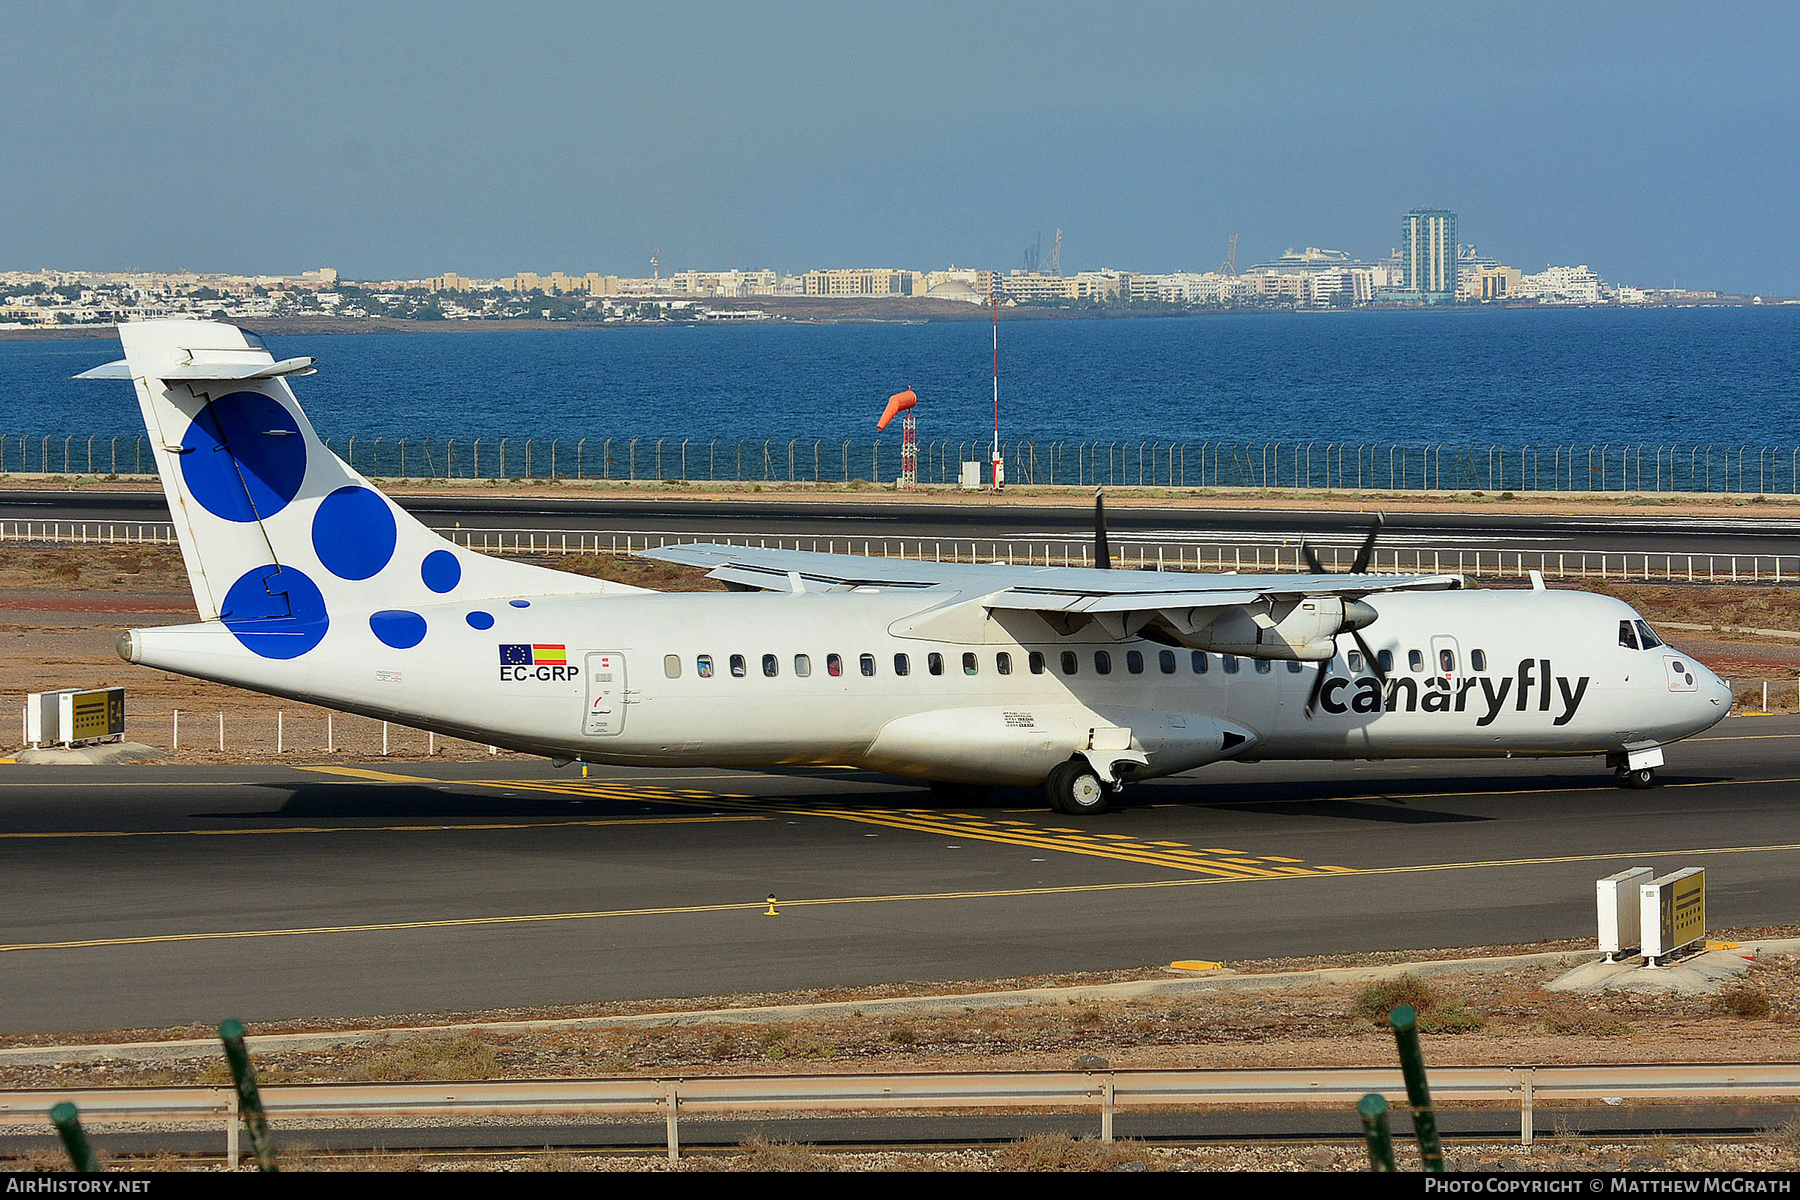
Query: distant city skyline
(1652, 141)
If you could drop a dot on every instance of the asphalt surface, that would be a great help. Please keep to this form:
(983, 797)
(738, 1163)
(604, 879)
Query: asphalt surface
(1627, 532)
(152, 896)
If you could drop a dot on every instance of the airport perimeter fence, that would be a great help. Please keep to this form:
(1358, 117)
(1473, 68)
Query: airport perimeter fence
(1301, 466)
(1173, 551)
(1104, 1092)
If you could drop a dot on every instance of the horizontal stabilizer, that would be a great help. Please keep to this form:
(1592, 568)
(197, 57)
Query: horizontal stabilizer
(117, 369)
(205, 371)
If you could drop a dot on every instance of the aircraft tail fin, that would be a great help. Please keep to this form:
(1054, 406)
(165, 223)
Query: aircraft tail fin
(273, 526)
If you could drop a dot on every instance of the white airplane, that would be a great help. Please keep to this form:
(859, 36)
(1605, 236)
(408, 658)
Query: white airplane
(312, 584)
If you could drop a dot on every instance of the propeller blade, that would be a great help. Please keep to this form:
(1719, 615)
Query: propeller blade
(1102, 553)
(1312, 559)
(1312, 697)
(1369, 656)
(1364, 555)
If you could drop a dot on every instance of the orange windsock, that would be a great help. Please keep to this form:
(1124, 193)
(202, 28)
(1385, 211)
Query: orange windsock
(898, 403)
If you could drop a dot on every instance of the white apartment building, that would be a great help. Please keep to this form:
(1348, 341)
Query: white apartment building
(1562, 285)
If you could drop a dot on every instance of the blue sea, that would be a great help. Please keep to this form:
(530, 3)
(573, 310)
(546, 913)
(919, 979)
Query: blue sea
(1699, 376)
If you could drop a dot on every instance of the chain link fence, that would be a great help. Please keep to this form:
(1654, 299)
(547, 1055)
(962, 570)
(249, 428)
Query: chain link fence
(1345, 466)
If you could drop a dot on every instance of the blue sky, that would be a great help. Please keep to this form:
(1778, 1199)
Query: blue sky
(1655, 142)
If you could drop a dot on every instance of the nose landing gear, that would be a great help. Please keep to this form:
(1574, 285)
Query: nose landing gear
(1635, 765)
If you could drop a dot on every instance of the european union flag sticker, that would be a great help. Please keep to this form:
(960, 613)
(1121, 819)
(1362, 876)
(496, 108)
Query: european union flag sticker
(515, 656)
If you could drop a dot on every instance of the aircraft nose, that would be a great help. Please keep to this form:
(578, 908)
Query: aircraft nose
(1714, 694)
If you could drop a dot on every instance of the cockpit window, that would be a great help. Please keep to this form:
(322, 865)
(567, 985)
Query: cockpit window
(1628, 635)
(1648, 635)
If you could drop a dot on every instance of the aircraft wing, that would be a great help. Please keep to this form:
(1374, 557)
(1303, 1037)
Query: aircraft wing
(1261, 616)
(1053, 589)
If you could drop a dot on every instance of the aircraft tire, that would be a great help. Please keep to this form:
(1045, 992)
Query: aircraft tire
(961, 793)
(1644, 777)
(1076, 791)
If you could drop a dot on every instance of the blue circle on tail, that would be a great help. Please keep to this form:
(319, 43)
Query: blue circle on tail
(440, 571)
(398, 628)
(243, 457)
(276, 612)
(353, 533)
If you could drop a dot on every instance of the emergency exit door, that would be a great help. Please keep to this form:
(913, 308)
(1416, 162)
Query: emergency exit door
(605, 694)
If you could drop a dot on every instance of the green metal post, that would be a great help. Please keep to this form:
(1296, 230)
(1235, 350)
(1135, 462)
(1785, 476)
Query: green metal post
(1412, 1064)
(1373, 1109)
(68, 1127)
(231, 1032)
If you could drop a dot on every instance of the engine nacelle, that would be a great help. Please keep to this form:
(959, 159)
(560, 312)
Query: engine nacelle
(1304, 629)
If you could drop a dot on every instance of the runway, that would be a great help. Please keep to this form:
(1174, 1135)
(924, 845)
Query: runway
(154, 896)
(1628, 532)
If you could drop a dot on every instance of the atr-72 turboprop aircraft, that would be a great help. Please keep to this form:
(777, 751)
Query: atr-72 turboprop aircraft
(312, 584)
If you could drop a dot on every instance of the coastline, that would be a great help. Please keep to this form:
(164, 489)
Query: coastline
(810, 310)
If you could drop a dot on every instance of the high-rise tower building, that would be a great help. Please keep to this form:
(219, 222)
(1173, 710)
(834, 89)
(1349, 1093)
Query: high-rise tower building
(1428, 254)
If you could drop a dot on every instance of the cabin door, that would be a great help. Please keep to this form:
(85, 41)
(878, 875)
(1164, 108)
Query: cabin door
(605, 694)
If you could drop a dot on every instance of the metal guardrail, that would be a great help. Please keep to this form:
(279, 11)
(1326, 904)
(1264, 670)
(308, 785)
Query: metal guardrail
(1145, 554)
(1107, 1092)
(1303, 465)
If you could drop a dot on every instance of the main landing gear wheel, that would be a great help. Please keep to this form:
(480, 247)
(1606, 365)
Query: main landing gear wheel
(961, 793)
(1075, 790)
(1641, 778)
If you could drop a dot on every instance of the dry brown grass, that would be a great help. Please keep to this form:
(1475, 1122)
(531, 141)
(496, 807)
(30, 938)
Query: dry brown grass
(1715, 607)
(639, 572)
(1743, 999)
(460, 1057)
(1060, 1152)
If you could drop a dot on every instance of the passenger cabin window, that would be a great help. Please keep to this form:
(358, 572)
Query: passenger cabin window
(672, 666)
(1199, 661)
(703, 666)
(1415, 660)
(1648, 635)
(1134, 662)
(1293, 667)
(738, 669)
(1070, 664)
(1354, 658)
(902, 665)
(802, 665)
(1003, 663)
(1102, 663)
(1386, 659)
(970, 663)
(1628, 635)
(1230, 663)
(1165, 659)
(934, 662)
(1036, 662)
(1447, 661)
(1478, 660)
(867, 663)
(1262, 666)
(771, 666)
(834, 665)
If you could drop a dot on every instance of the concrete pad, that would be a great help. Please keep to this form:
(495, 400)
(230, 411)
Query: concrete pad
(1694, 975)
(109, 753)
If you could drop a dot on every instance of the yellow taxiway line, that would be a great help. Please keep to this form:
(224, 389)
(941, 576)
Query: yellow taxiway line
(431, 828)
(759, 906)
